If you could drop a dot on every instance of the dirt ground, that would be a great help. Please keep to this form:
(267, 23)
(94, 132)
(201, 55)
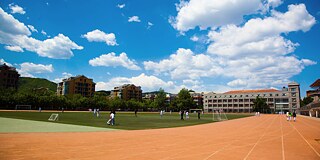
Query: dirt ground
(264, 137)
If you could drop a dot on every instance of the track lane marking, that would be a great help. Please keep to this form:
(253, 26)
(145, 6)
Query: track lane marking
(306, 140)
(283, 155)
(259, 139)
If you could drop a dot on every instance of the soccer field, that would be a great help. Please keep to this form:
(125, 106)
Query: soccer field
(123, 120)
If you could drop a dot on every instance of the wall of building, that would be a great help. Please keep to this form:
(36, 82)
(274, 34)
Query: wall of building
(76, 85)
(287, 99)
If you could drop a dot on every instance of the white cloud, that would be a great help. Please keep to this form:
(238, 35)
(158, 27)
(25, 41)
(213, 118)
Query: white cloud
(15, 33)
(121, 6)
(14, 48)
(111, 59)
(28, 69)
(194, 38)
(64, 76)
(32, 28)
(100, 36)
(185, 64)
(2, 61)
(43, 32)
(212, 13)
(16, 9)
(255, 54)
(134, 19)
(261, 35)
(10, 25)
(237, 82)
(149, 25)
(274, 3)
(148, 83)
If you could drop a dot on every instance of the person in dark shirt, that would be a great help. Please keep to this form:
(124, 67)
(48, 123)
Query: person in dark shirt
(198, 114)
(181, 114)
(294, 115)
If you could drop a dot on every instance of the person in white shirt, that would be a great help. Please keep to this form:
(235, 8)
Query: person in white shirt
(187, 115)
(112, 118)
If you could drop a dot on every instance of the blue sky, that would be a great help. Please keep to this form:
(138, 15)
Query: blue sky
(204, 45)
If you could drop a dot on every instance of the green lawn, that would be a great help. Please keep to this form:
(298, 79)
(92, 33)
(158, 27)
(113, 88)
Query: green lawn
(123, 120)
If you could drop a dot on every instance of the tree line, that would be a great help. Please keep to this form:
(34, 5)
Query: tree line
(48, 100)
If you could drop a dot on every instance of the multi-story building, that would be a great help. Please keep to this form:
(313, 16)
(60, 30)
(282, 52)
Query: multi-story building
(312, 109)
(127, 92)
(287, 99)
(9, 77)
(315, 92)
(76, 85)
(197, 98)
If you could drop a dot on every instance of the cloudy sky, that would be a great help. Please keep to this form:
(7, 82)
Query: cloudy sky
(204, 45)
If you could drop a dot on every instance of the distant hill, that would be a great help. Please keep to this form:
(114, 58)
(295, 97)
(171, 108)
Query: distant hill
(106, 93)
(27, 84)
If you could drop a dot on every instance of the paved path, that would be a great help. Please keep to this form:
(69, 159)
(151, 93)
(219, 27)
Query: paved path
(264, 137)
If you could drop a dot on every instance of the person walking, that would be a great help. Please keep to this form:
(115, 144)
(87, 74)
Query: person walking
(294, 116)
(287, 116)
(109, 120)
(198, 114)
(290, 115)
(187, 115)
(181, 114)
(98, 112)
(135, 112)
(112, 118)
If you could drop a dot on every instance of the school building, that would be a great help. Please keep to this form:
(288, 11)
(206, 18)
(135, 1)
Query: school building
(127, 92)
(313, 109)
(76, 85)
(287, 99)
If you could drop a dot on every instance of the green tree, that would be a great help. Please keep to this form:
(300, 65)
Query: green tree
(305, 101)
(117, 103)
(133, 104)
(160, 100)
(260, 105)
(184, 100)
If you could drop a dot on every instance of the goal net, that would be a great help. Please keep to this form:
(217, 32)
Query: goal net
(54, 117)
(23, 107)
(219, 115)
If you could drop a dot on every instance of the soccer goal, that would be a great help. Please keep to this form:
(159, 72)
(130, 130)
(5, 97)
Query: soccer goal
(219, 115)
(54, 117)
(23, 107)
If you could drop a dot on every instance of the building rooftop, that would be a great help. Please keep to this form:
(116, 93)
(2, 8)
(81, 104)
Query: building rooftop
(293, 84)
(6, 67)
(251, 91)
(315, 84)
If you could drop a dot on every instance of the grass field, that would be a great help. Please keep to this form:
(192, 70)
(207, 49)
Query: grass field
(126, 121)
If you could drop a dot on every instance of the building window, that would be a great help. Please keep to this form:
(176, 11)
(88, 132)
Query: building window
(283, 94)
(293, 89)
(293, 94)
(270, 95)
